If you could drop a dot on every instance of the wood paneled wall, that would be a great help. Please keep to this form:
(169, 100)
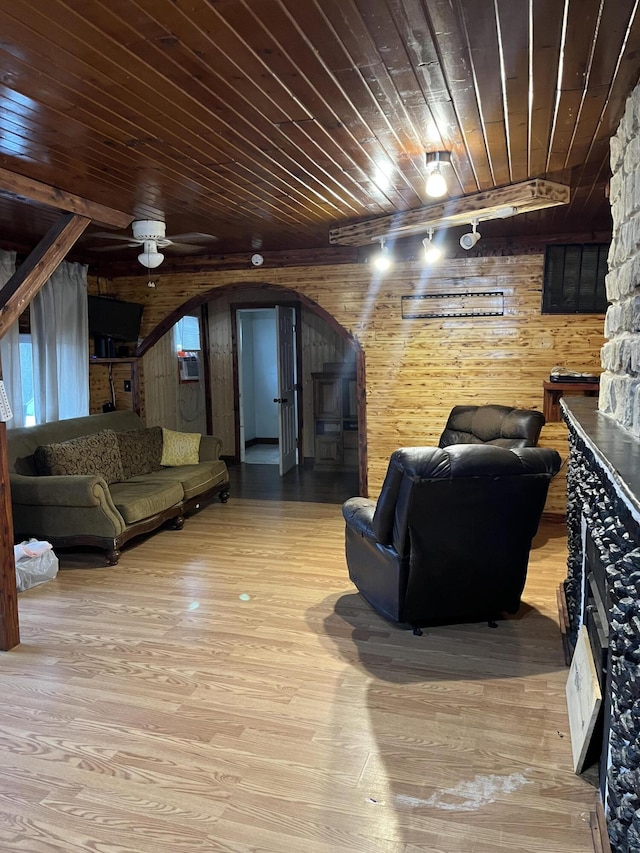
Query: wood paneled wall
(99, 390)
(416, 369)
(99, 385)
(320, 344)
(221, 367)
(168, 402)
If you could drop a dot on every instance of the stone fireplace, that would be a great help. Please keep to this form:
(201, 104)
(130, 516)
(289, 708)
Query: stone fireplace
(603, 503)
(603, 521)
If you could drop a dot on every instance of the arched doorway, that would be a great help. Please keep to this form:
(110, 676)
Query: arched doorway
(270, 294)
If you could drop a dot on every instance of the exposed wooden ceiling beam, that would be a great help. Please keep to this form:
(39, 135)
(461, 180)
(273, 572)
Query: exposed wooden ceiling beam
(11, 183)
(9, 626)
(174, 264)
(14, 297)
(38, 267)
(525, 197)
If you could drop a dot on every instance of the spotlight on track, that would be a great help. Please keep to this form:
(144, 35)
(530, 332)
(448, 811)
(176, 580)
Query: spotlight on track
(382, 261)
(432, 252)
(468, 241)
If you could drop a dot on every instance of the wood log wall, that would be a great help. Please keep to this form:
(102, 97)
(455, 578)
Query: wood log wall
(416, 369)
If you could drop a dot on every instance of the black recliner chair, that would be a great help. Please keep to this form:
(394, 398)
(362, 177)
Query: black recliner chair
(448, 540)
(503, 426)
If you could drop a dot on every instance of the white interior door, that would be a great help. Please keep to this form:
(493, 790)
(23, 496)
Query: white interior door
(286, 399)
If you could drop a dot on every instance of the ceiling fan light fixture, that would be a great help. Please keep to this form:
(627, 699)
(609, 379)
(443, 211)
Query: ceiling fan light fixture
(149, 229)
(436, 185)
(150, 257)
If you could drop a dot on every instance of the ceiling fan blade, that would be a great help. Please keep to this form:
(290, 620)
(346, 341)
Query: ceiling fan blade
(192, 237)
(110, 235)
(113, 248)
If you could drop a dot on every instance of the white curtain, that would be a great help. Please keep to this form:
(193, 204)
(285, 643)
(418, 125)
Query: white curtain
(60, 336)
(10, 350)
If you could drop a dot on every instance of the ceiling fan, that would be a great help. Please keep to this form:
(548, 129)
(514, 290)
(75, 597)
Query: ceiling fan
(150, 234)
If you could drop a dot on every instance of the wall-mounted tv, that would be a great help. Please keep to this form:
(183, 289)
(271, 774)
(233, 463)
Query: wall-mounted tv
(115, 319)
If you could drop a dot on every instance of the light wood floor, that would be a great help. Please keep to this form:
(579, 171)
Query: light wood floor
(225, 689)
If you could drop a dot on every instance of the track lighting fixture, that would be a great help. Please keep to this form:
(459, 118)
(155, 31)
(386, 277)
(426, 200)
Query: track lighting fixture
(503, 213)
(431, 252)
(468, 241)
(382, 260)
(436, 185)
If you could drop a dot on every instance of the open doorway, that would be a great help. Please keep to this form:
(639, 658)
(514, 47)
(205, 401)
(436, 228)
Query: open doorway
(267, 387)
(266, 355)
(322, 343)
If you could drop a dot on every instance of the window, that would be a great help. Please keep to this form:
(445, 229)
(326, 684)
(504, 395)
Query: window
(26, 379)
(574, 279)
(186, 334)
(186, 337)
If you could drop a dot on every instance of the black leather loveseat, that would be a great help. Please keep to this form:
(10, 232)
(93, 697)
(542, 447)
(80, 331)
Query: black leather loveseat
(449, 538)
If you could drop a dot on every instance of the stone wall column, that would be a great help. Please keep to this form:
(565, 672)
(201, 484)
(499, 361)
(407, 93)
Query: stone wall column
(620, 356)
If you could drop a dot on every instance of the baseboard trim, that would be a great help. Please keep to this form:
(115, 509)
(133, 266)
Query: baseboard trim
(563, 619)
(598, 824)
(252, 441)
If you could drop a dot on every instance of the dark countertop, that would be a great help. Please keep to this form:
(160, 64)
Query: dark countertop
(615, 448)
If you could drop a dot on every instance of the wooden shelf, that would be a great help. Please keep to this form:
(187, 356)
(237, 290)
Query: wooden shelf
(553, 391)
(126, 360)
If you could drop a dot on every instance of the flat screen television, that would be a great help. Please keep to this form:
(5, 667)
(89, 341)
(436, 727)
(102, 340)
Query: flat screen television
(114, 319)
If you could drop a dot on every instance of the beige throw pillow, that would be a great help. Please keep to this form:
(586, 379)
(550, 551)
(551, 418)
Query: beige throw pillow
(180, 448)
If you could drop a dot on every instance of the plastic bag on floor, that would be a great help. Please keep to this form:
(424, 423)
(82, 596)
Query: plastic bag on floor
(35, 563)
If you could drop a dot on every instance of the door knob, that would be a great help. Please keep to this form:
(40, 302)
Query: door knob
(279, 399)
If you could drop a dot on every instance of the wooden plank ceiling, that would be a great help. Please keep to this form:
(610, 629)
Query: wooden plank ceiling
(266, 122)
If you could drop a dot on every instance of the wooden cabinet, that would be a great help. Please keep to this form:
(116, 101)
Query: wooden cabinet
(335, 418)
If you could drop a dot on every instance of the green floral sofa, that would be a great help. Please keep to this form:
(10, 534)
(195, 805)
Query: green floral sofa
(100, 480)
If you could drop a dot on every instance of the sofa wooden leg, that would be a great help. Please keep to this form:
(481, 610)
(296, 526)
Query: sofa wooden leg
(178, 522)
(113, 557)
(224, 496)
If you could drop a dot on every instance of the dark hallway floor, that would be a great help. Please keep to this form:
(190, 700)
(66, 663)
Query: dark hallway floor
(300, 484)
